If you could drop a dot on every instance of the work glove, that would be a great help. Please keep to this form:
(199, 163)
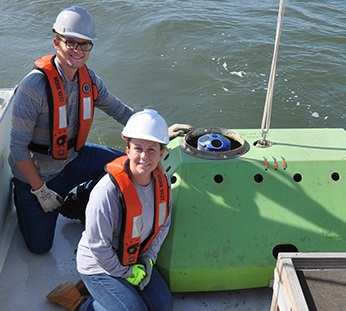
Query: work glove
(148, 264)
(177, 129)
(48, 199)
(137, 275)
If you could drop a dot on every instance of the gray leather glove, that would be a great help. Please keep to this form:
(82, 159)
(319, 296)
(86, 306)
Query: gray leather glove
(48, 199)
(148, 264)
(177, 129)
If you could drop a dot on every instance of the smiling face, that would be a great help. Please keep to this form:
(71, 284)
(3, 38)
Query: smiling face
(70, 59)
(145, 156)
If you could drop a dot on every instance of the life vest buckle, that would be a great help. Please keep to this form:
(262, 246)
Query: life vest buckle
(133, 248)
(61, 140)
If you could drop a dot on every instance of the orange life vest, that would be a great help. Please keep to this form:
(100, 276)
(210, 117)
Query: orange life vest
(130, 245)
(88, 93)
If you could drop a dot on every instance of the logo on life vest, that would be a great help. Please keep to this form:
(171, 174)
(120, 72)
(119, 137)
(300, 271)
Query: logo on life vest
(86, 88)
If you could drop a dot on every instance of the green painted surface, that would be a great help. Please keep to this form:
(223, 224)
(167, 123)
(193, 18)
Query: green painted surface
(223, 233)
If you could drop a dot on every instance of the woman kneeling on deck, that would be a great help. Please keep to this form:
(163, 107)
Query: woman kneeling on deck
(127, 220)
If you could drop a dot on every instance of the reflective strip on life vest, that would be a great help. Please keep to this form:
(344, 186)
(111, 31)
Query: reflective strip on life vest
(137, 225)
(62, 117)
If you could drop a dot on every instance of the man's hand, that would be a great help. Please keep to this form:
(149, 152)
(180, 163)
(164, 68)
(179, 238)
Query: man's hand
(48, 199)
(137, 275)
(177, 129)
(148, 264)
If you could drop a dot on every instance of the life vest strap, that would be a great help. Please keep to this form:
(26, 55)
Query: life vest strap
(47, 150)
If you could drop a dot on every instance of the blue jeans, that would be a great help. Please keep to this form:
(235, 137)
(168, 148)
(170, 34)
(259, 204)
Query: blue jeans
(111, 293)
(38, 227)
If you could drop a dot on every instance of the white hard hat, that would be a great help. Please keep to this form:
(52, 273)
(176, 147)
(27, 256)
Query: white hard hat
(75, 22)
(147, 124)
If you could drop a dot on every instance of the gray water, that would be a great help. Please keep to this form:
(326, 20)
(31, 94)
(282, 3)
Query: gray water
(205, 63)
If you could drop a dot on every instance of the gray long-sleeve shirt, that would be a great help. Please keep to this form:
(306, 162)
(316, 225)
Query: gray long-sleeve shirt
(30, 119)
(97, 248)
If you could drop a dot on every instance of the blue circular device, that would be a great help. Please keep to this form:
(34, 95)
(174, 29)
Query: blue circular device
(213, 142)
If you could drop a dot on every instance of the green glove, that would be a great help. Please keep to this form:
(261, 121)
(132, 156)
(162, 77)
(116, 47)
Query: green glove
(137, 275)
(148, 264)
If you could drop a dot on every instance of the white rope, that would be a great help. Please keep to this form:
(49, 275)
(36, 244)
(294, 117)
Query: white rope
(269, 98)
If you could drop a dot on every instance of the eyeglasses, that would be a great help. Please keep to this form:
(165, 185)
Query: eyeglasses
(73, 45)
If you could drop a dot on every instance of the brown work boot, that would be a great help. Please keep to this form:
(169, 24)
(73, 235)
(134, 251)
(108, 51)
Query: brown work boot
(66, 295)
(82, 288)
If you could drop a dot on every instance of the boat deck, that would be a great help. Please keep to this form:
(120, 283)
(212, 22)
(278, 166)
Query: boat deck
(27, 278)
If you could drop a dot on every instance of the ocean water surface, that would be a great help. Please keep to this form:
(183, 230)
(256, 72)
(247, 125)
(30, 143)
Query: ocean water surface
(205, 63)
